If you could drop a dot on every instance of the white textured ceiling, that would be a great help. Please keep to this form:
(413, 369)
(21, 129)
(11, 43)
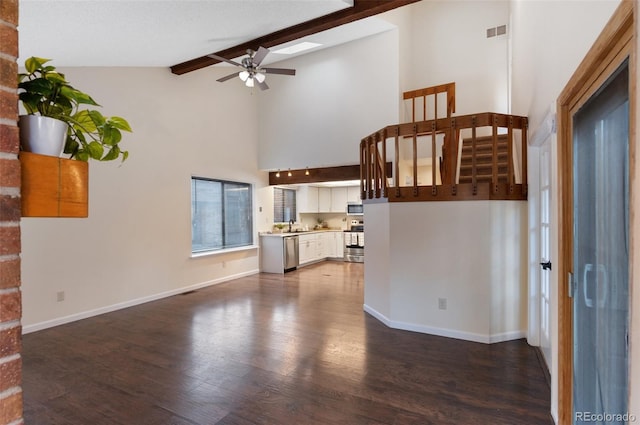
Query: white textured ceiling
(165, 32)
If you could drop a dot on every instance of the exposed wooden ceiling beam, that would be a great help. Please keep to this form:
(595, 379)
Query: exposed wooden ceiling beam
(361, 9)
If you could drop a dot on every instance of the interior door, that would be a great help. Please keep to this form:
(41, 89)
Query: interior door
(545, 251)
(601, 253)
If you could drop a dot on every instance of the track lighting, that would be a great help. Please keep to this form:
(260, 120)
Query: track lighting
(289, 173)
(306, 172)
(278, 174)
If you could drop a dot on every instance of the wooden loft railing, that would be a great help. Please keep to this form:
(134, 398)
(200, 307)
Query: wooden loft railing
(498, 139)
(426, 100)
(424, 105)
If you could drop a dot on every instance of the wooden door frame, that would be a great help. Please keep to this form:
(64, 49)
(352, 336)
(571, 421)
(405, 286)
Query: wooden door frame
(616, 42)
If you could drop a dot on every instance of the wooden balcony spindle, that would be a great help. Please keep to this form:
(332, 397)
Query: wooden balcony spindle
(434, 190)
(524, 180)
(385, 193)
(494, 155)
(510, 178)
(397, 161)
(377, 175)
(415, 160)
(474, 171)
(453, 155)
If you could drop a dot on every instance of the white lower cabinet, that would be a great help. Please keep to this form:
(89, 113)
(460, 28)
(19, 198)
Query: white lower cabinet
(338, 241)
(319, 246)
(308, 248)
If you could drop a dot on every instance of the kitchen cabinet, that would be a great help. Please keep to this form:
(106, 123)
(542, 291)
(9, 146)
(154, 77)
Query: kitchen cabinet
(312, 247)
(324, 199)
(338, 241)
(330, 244)
(321, 245)
(308, 248)
(353, 194)
(339, 199)
(307, 199)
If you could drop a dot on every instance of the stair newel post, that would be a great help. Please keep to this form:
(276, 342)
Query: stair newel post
(363, 169)
(415, 160)
(525, 145)
(434, 190)
(510, 154)
(453, 165)
(385, 193)
(494, 155)
(397, 160)
(474, 171)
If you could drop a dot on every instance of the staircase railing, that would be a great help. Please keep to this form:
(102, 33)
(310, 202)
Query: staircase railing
(396, 142)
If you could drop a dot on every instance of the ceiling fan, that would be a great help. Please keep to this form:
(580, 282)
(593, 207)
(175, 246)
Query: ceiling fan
(253, 73)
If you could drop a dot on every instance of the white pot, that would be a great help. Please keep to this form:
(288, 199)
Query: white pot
(42, 135)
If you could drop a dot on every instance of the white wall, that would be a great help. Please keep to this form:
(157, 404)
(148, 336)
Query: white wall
(338, 96)
(441, 250)
(449, 44)
(136, 242)
(549, 40)
(377, 261)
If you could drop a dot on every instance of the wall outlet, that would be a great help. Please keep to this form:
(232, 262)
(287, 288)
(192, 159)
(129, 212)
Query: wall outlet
(442, 303)
(60, 296)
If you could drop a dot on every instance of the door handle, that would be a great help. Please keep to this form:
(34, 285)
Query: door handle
(546, 266)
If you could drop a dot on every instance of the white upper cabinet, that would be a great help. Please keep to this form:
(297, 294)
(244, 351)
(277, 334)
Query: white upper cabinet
(353, 194)
(324, 199)
(339, 199)
(307, 199)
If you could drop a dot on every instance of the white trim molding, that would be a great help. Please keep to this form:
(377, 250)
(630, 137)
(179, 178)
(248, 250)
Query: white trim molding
(131, 303)
(449, 333)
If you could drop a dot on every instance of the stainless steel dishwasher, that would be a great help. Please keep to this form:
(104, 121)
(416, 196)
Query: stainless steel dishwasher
(291, 259)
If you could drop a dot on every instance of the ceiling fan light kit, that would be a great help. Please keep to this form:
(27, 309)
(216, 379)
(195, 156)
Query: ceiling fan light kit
(252, 72)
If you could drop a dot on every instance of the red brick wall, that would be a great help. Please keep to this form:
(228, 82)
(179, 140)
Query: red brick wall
(10, 296)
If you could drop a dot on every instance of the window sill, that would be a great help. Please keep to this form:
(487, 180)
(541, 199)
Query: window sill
(223, 251)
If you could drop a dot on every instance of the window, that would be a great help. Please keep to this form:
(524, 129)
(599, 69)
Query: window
(221, 215)
(284, 205)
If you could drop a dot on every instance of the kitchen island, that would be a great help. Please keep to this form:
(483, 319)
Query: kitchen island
(313, 246)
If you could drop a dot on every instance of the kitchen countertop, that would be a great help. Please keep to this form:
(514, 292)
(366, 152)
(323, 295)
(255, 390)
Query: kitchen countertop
(296, 233)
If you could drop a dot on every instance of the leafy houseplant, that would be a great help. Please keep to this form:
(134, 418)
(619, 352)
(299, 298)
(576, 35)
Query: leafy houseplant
(46, 92)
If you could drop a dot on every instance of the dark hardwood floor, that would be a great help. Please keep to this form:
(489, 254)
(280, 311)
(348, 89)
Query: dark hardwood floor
(270, 349)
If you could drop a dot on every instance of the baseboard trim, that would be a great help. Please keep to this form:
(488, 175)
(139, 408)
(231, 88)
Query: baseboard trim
(131, 303)
(449, 333)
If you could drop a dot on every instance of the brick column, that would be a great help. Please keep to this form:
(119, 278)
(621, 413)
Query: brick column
(10, 295)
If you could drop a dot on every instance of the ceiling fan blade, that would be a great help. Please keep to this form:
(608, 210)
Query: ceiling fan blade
(283, 71)
(228, 77)
(220, 58)
(262, 85)
(260, 55)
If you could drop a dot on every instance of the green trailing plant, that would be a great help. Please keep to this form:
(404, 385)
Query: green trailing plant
(44, 91)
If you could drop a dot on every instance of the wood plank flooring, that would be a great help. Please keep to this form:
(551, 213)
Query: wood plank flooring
(271, 349)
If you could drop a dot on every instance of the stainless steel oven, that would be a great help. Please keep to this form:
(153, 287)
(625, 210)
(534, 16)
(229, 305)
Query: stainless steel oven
(354, 244)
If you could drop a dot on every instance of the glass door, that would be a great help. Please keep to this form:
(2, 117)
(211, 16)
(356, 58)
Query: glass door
(601, 253)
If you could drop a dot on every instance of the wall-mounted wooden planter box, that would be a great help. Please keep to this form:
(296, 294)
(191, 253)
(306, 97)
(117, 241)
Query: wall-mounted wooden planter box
(54, 187)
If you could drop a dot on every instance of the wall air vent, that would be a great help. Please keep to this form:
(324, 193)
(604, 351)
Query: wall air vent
(496, 31)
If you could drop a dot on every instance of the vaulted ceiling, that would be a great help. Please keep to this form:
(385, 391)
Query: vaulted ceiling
(179, 34)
